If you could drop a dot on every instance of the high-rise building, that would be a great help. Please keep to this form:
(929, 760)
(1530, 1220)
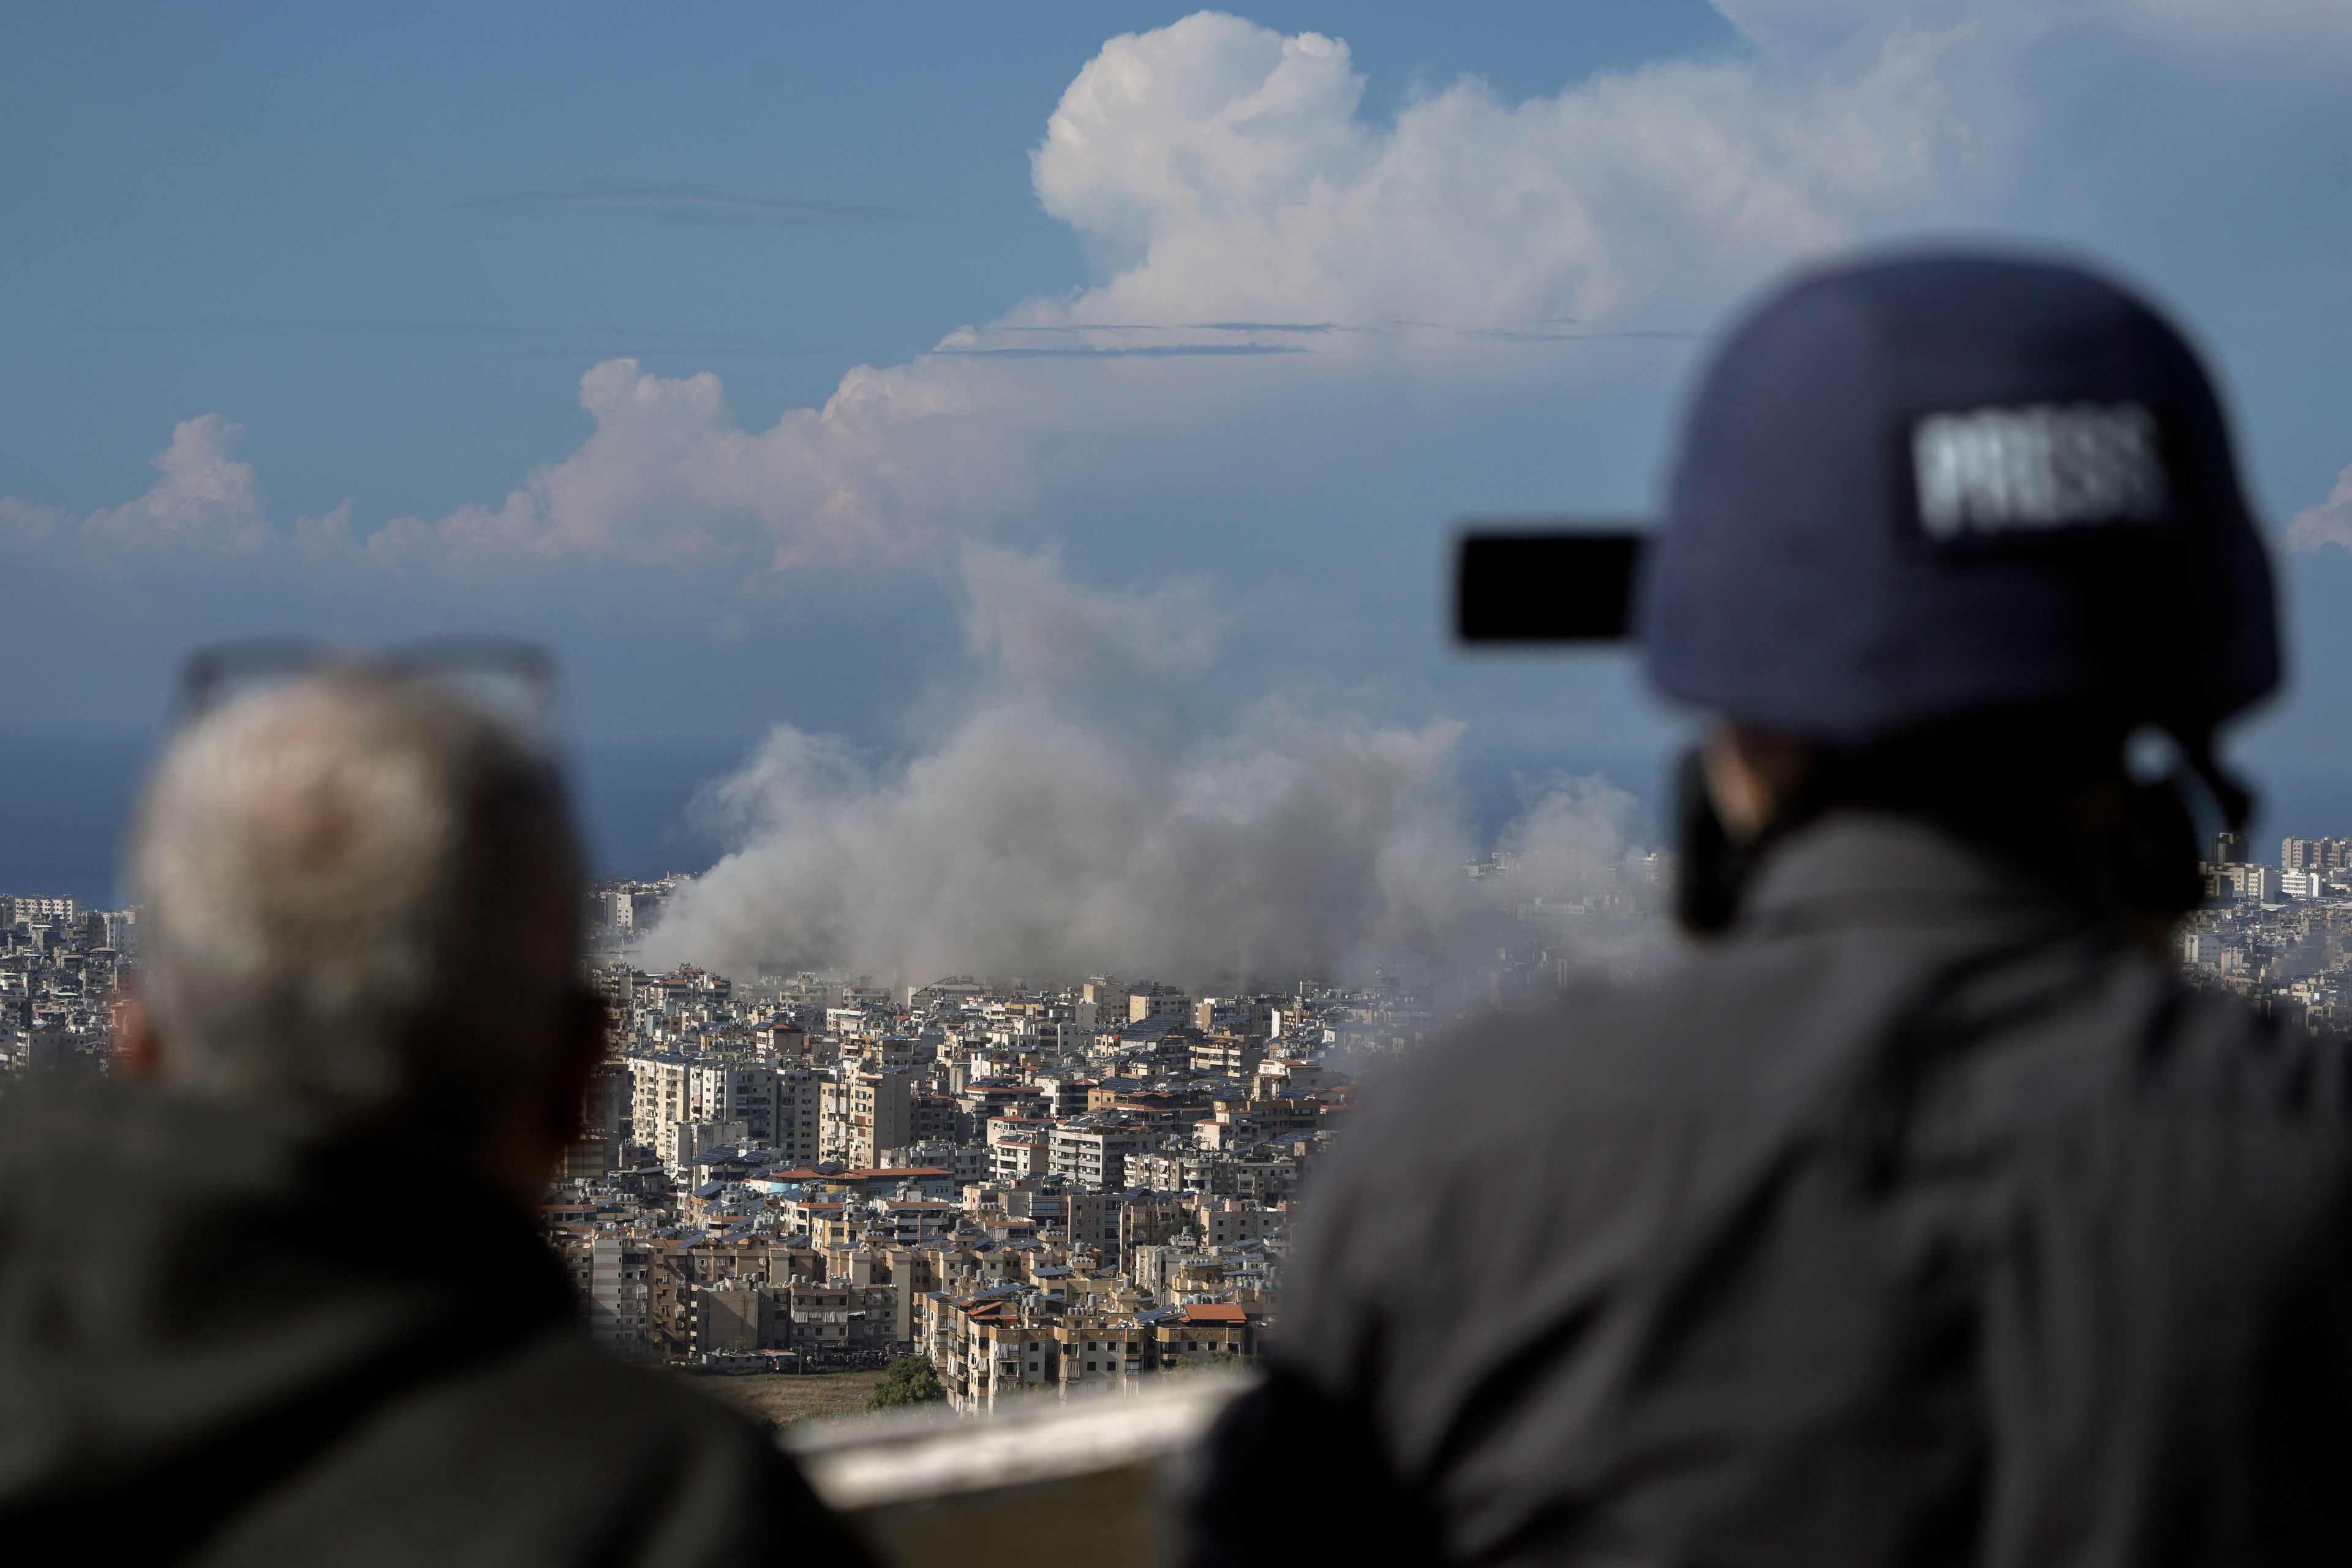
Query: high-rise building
(1092, 1150)
(734, 1091)
(659, 1097)
(798, 1109)
(620, 1293)
(608, 1104)
(687, 1142)
(862, 1112)
(2315, 854)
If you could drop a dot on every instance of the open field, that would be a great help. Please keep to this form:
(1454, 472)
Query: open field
(782, 1399)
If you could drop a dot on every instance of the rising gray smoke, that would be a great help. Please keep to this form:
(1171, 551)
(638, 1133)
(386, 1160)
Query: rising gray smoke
(1078, 820)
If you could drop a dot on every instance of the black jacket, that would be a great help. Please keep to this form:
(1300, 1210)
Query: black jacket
(1924, 1220)
(225, 1340)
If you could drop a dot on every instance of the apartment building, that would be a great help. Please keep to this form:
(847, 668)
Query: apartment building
(862, 1112)
(620, 1292)
(798, 1110)
(1092, 1150)
(660, 1095)
(1157, 1002)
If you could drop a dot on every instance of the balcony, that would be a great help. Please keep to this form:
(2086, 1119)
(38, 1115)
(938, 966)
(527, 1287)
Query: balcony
(926, 1487)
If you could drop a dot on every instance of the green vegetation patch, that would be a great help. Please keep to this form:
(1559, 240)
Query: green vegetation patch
(908, 1380)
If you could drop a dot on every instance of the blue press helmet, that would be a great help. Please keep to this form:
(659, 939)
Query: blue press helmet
(1915, 489)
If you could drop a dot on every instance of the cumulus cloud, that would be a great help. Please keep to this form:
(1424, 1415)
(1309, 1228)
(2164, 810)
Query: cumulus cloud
(1255, 229)
(1253, 226)
(206, 500)
(2328, 522)
(1076, 820)
(1220, 170)
(1249, 218)
(895, 460)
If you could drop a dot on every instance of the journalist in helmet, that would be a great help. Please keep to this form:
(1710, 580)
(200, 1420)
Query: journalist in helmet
(1920, 1214)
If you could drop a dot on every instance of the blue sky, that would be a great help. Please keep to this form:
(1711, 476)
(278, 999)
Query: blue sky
(1275, 299)
(305, 217)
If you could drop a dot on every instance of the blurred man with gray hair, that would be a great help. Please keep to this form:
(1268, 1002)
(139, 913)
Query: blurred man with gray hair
(275, 1294)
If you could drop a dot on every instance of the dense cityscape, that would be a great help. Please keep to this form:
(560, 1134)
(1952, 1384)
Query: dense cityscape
(1018, 1187)
(1031, 1186)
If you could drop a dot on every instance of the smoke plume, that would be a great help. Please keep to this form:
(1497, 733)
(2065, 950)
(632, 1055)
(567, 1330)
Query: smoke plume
(1081, 817)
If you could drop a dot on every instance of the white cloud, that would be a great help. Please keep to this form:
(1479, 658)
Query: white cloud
(206, 500)
(895, 458)
(2328, 522)
(1237, 198)
(897, 461)
(1791, 28)
(1225, 174)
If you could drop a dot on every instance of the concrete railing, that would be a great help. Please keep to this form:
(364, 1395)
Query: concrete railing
(926, 1487)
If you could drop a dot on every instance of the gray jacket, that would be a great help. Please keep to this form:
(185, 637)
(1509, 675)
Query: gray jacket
(1922, 1219)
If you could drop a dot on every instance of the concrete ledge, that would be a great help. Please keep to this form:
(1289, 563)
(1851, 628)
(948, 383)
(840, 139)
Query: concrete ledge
(990, 1490)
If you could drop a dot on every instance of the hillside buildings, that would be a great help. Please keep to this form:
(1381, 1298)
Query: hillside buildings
(1037, 1187)
(61, 970)
(2278, 935)
(1041, 1188)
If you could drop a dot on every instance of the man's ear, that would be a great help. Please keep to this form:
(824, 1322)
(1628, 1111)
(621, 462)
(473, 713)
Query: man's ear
(135, 1045)
(579, 1047)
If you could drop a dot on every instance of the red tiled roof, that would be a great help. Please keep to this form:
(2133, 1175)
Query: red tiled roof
(1222, 1313)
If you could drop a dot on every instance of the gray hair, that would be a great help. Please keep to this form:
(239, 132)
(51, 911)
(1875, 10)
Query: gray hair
(361, 900)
